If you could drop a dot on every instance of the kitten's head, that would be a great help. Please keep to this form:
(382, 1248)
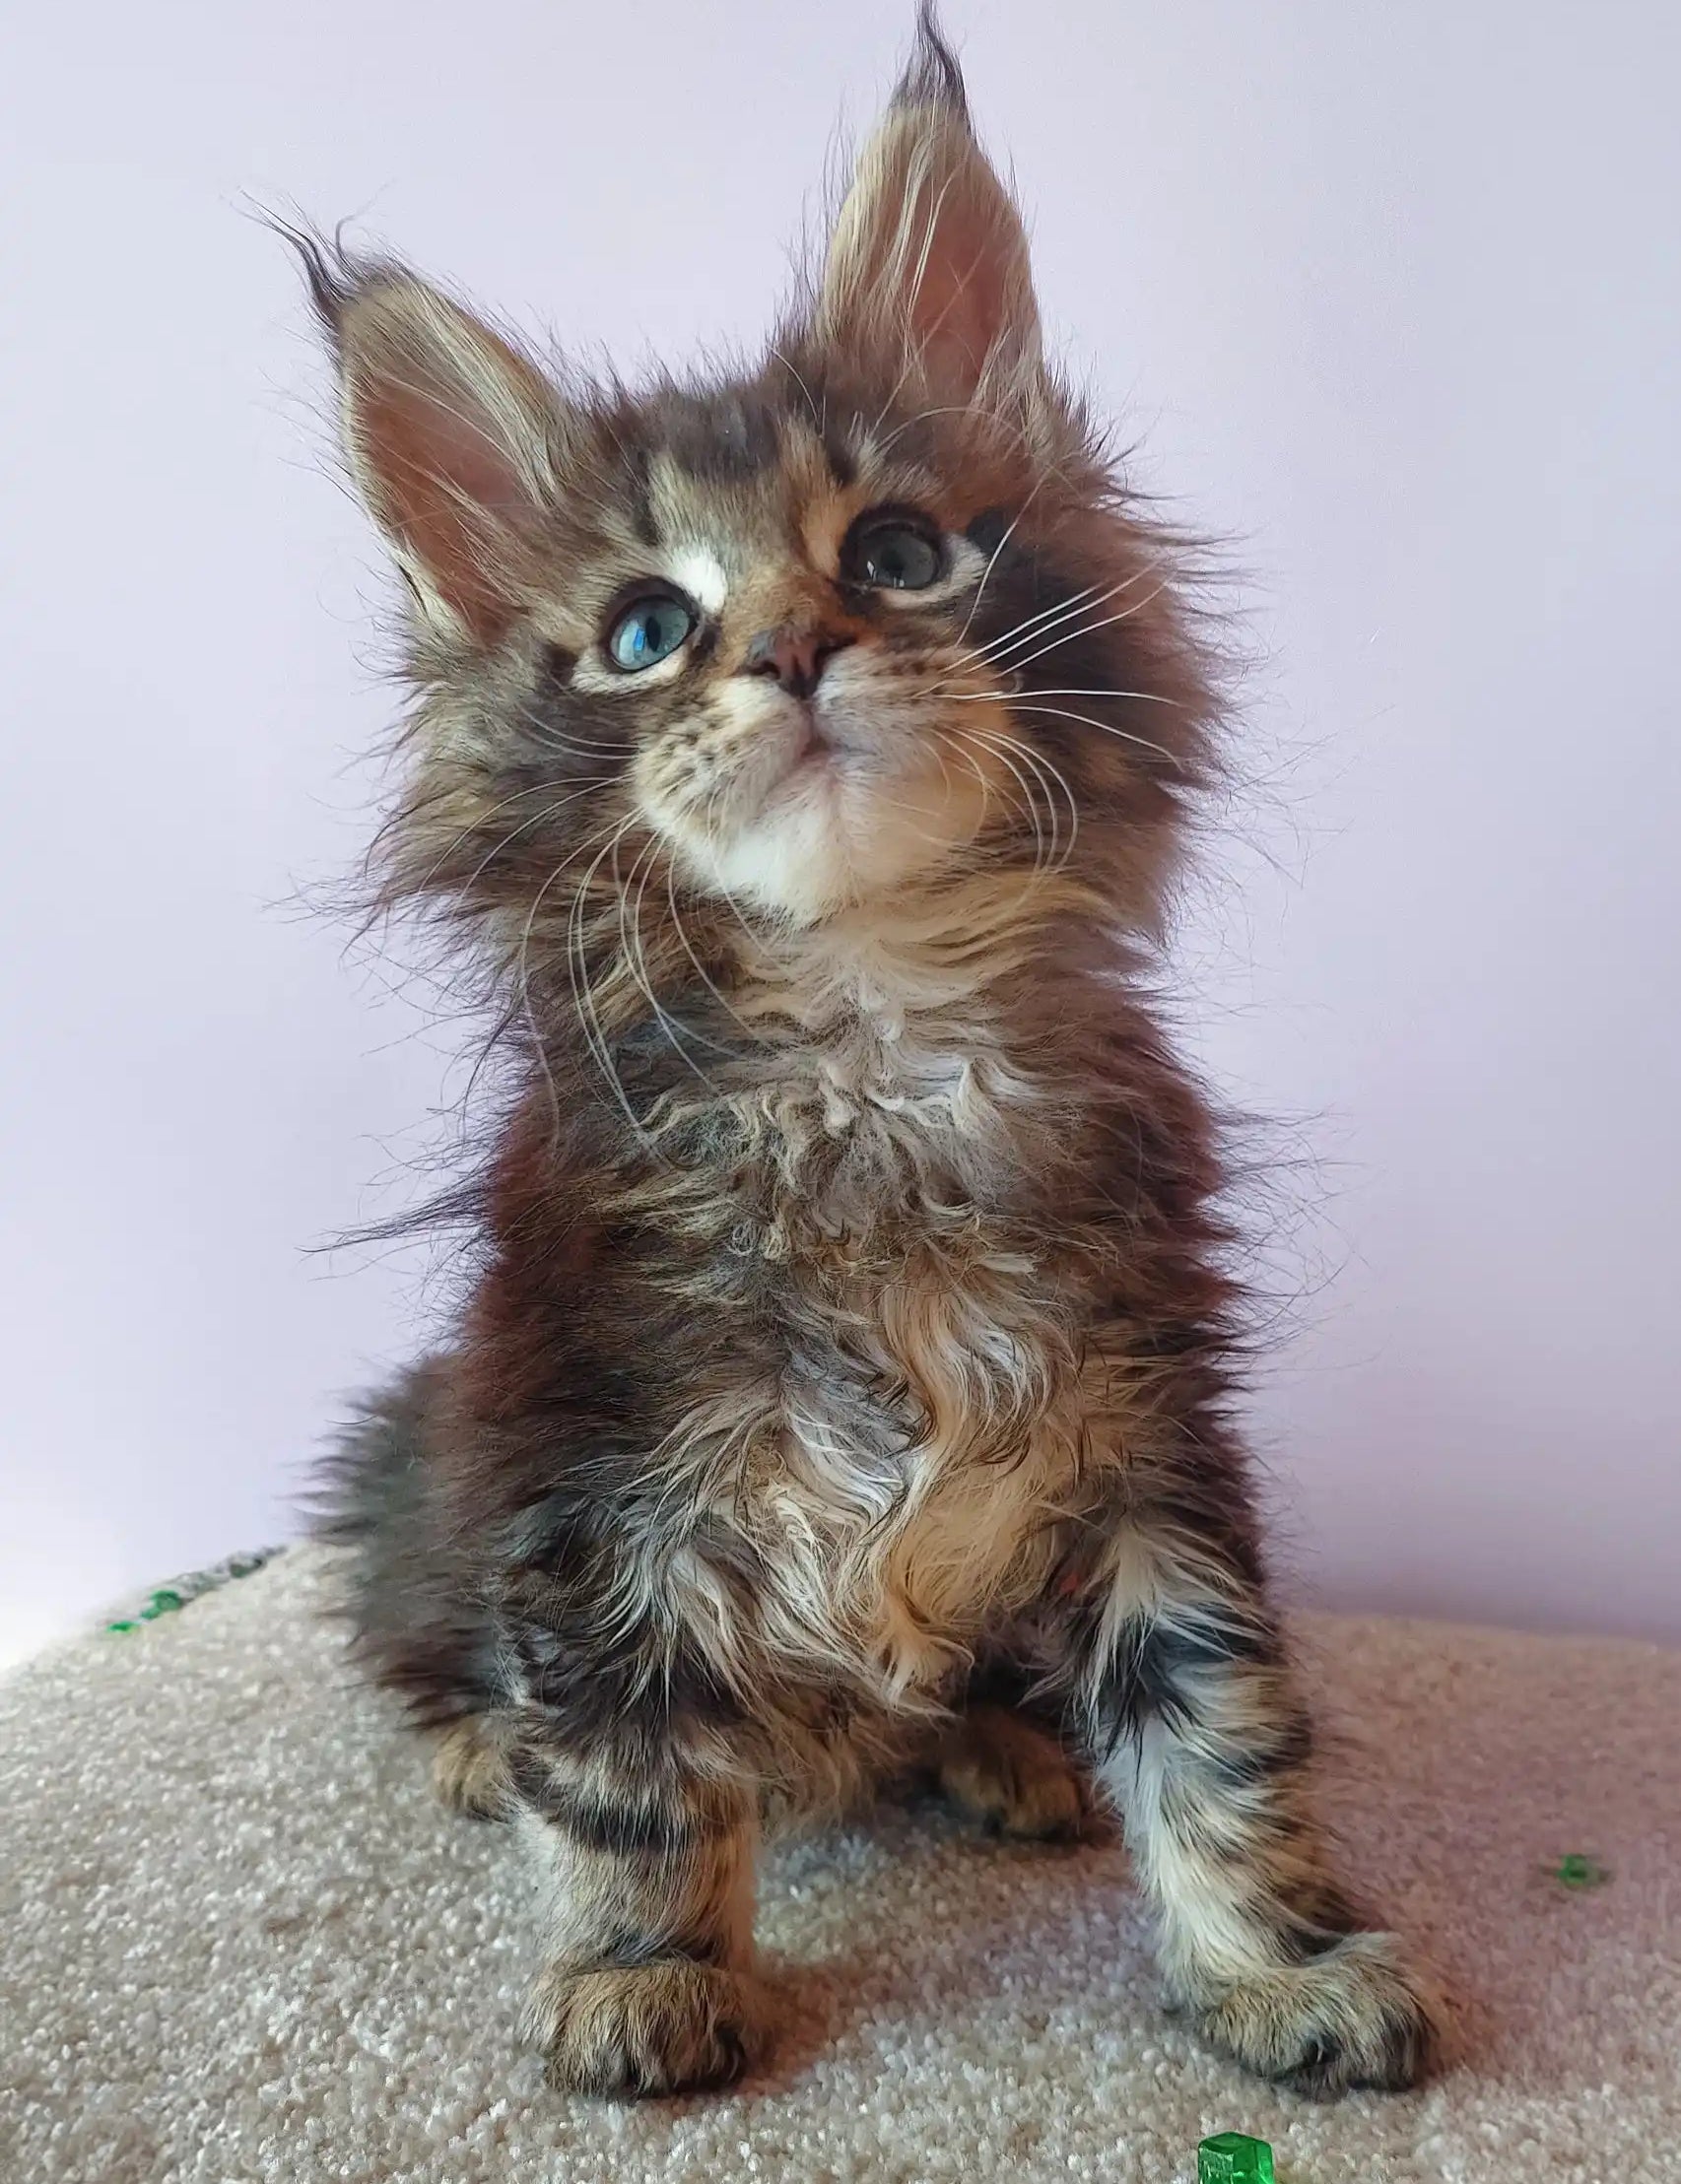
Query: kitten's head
(805, 642)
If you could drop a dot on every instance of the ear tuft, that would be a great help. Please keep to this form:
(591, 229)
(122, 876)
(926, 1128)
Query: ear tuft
(932, 77)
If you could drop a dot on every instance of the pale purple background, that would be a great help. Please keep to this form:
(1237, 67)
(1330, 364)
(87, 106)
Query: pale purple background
(1389, 292)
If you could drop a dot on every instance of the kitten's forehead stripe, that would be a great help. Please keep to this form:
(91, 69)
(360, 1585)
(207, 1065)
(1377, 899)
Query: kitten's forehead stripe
(639, 494)
(722, 440)
(842, 463)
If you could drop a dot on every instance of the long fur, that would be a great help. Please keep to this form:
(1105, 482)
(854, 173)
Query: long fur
(851, 1344)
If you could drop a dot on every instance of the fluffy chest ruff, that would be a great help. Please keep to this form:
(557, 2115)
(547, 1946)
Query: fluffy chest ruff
(898, 1461)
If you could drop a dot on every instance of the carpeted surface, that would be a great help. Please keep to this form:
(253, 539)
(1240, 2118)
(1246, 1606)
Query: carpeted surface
(241, 1942)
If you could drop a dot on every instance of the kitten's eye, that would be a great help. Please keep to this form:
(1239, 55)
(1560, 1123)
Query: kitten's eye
(894, 552)
(650, 630)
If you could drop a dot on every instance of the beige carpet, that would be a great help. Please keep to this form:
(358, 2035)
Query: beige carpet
(241, 1942)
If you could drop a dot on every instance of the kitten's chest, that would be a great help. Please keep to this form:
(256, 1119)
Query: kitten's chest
(924, 1426)
(912, 1425)
(922, 1419)
(886, 1128)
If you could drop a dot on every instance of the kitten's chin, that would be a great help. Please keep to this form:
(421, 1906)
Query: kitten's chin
(834, 835)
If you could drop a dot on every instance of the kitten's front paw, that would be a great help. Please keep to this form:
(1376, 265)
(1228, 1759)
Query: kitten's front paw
(1356, 2015)
(669, 2027)
(469, 1768)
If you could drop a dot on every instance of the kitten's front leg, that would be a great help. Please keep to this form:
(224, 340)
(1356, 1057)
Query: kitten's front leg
(649, 1986)
(1191, 1710)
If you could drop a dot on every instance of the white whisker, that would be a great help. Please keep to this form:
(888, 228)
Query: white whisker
(577, 962)
(513, 833)
(1086, 629)
(1033, 689)
(1046, 772)
(635, 958)
(701, 969)
(1104, 727)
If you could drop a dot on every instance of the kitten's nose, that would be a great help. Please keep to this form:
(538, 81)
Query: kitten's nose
(793, 657)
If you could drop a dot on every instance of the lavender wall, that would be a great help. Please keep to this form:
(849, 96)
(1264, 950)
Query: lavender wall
(1391, 293)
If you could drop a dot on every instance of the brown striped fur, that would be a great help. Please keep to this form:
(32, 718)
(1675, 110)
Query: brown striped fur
(843, 1386)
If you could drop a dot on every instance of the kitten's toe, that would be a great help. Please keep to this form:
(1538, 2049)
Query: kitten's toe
(1011, 1776)
(646, 2029)
(469, 1768)
(1356, 2015)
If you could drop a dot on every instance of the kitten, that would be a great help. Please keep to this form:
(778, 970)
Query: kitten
(845, 1382)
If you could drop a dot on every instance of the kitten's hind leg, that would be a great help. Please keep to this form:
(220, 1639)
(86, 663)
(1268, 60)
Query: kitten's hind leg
(1011, 1775)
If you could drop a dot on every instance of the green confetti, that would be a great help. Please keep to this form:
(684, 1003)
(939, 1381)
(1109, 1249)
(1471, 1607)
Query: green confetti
(1234, 2158)
(183, 1591)
(1577, 1870)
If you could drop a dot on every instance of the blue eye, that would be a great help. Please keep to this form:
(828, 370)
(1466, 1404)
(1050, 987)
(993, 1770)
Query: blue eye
(649, 631)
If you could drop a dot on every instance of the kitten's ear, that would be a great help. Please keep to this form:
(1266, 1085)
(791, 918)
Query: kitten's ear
(928, 266)
(451, 435)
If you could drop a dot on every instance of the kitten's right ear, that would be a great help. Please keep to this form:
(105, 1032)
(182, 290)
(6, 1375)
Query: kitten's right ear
(451, 435)
(927, 268)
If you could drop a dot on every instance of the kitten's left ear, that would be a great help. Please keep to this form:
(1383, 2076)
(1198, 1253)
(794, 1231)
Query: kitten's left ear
(451, 434)
(928, 267)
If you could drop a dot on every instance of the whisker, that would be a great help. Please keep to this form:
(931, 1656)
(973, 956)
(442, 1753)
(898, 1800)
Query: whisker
(701, 969)
(1088, 599)
(1025, 628)
(563, 740)
(536, 788)
(1104, 727)
(637, 962)
(522, 974)
(996, 653)
(513, 833)
(959, 740)
(1043, 769)
(1033, 689)
(577, 961)
(992, 562)
(1031, 803)
(788, 366)
(1086, 629)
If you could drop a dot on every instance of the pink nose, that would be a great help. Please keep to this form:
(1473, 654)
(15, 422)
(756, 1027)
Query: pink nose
(793, 657)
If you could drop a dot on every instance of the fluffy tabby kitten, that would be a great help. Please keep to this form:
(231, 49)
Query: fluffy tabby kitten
(843, 1384)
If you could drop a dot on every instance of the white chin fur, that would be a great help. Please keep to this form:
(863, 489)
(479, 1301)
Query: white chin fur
(833, 837)
(878, 812)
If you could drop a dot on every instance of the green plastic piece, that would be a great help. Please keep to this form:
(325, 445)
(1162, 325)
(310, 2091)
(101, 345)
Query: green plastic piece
(1232, 2159)
(1577, 1870)
(183, 1591)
